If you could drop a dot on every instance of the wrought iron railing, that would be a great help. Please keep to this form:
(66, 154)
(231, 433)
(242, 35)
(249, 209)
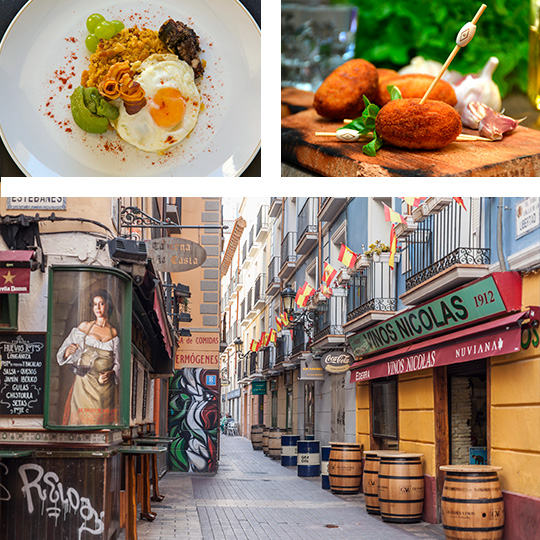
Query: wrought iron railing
(242, 310)
(244, 251)
(288, 245)
(281, 349)
(267, 352)
(249, 300)
(252, 363)
(371, 289)
(307, 218)
(443, 240)
(260, 288)
(273, 270)
(328, 319)
(299, 340)
(262, 219)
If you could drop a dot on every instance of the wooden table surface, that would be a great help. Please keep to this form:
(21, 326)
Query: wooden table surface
(445, 164)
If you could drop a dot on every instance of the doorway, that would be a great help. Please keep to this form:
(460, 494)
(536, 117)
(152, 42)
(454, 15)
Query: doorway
(309, 408)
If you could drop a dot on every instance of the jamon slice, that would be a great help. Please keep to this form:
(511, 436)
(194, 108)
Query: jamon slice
(184, 42)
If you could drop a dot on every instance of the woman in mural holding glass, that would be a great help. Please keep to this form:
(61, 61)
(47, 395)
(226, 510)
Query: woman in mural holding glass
(92, 352)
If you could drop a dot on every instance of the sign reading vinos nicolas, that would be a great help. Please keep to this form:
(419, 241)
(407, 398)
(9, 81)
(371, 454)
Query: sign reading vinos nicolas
(175, 254)
(495, 294)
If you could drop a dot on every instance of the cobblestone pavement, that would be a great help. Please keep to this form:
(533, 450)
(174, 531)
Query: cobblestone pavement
(253, 497)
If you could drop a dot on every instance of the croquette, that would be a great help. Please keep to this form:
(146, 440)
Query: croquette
(341, 93)
(415, 86)
(407, 124)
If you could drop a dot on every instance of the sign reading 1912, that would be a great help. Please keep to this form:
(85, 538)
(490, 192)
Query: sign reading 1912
(495, 294)
(22, 374)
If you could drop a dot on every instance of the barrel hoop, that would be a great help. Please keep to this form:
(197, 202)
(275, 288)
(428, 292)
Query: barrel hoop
(400, 460)
(474, 480)
(408, 501)
(401, 477)
(345, 475)
(472, 501)
(474, 529)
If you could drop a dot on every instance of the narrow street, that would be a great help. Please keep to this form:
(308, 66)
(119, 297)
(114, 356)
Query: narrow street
(253, 497)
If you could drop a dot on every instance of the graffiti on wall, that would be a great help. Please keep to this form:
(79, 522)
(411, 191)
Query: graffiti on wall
(193, 420)
(46, 494)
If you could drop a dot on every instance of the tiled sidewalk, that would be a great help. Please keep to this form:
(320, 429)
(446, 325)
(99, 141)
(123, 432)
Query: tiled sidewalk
(253, 497)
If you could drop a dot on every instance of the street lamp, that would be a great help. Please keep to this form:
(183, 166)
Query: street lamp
(238, 346)
(305, 317)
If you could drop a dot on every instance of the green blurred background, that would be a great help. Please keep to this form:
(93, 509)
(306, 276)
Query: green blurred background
(392, 32)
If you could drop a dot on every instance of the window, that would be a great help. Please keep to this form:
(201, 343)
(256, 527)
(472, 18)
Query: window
(384, 410)
(274, 408)
(289, 418)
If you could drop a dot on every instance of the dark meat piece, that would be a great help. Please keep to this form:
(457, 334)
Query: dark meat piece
(184, 42)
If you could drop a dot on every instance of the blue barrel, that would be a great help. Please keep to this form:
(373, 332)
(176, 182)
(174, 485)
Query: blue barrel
(289, 450)
(325, 458)
(309, 459)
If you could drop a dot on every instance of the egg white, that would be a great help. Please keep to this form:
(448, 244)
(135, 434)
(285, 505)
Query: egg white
(156, 72)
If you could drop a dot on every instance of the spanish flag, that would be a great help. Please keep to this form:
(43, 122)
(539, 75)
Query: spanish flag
(326, 290)
(254, 347)
(393, 246)
(459, 200)
(273, 336)
(279, 323)
(284, 319)
(414, 201)
(303, 294)
(262, 340)
(392, 215)
(347, 257)
(329, 273)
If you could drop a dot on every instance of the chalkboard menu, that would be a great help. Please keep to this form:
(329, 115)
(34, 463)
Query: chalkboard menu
(22, 374)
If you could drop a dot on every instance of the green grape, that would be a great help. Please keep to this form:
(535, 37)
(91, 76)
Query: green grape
(91, 42)
(105, 30)
(118, 25)
(93, 21)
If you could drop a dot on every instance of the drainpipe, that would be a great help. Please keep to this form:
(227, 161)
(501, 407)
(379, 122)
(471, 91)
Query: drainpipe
(500, 252)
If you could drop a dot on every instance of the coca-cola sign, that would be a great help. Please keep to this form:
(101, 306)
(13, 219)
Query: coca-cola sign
(337, 361)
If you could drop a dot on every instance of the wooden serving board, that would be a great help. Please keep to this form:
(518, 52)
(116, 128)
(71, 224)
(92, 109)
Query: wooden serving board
(517, 155)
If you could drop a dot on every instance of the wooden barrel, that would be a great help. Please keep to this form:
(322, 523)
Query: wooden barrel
(274, 443)
(325, 458)
(289, 450)
(309, 459)
(265, 433)
(371, 481)
(345, 467)
(472, 503)
(401, 487)
(256, 436)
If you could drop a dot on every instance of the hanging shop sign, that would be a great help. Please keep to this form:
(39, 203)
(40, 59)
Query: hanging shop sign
(22, 374)
(200, 350)
(15, 271)
(88, 348)
(175, 254)
(311, 370)
(496, 294)
(258, 388)
(337, 361)
(483, 345)
(527, 216)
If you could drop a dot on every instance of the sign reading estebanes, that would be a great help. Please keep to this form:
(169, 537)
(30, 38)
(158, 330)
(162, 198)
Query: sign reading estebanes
(175, 254)
(36, 203)
(201, 349)
(496, 294)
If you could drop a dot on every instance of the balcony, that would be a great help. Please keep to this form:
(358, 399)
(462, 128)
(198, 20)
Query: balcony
(262, 224)
(250, 306)
(238, 280)
(288, 256)
(371, 295)
(245, 254)
(252, 244)
(274, 282)
(275, 206)
(446, 251)
(299, 344)
(307, 227)
(243, 313)
(269, 358)
(331, 207)
(253, 367)
(259, 292)
(329, 319)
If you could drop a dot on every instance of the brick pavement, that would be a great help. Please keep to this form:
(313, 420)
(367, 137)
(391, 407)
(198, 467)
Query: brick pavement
(254, 498)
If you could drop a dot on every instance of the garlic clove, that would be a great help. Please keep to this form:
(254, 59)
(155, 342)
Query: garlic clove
(473, 113)
(494, 125)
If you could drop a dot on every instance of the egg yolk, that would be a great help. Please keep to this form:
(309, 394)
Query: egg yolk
(167, 107)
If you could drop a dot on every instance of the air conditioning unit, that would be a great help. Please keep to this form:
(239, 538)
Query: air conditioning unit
(122, 249)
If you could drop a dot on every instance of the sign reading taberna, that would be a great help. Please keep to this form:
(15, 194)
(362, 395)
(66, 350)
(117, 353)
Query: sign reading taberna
(498, 293)
(175, 254)
(258, 388)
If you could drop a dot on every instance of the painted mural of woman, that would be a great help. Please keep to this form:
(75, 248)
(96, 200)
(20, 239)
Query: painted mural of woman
(91, 350)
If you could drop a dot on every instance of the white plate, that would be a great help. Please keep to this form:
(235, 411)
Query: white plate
(43, 53)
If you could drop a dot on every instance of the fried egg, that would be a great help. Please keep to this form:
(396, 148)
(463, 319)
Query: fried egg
(172, 105)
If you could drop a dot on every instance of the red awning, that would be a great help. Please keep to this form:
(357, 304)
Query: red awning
(15, 271)
(494, 338)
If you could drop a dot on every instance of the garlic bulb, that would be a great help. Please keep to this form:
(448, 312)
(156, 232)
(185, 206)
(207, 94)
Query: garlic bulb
(479, 88)
(429, 67)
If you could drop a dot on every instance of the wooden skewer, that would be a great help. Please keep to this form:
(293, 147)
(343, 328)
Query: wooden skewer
(463, 137)
(452, 55)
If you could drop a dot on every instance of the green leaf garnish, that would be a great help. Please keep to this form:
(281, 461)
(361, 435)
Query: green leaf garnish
(394, 92)
(370, 149)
